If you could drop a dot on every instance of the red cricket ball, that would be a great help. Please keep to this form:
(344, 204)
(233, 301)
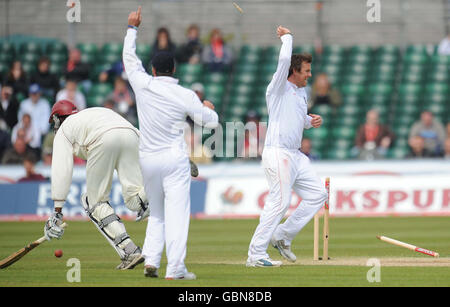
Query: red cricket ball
(58, 253)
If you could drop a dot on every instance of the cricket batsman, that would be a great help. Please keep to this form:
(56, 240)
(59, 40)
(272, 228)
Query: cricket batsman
(108, 142)
(285, 166)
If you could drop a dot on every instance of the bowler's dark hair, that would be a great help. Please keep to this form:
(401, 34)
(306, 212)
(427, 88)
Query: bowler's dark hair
(297, 60)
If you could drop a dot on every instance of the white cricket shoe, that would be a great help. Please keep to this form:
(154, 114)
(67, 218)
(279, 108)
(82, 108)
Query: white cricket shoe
(285, 250)
(264, 263)
(186, 276)
(150, 271)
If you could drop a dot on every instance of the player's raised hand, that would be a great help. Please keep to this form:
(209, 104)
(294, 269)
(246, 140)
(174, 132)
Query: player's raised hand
(134, 18)
(316, 120)
(208, 104)
(282, 31)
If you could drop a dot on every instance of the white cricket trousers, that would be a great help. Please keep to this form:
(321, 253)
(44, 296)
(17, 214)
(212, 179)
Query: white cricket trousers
(286, 170)
(117, 149)
(167, 182)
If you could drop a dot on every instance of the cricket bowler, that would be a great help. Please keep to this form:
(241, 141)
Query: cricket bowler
(108, 142)
(285, 166)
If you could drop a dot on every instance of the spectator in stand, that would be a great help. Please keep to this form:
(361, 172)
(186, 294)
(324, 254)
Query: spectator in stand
(9, 107)
(31, 133)
(444, 46)
(191, 51)
(372, 138)
(447, 148)
(447, 128)
(431, 130)
(31, 175)
(114, 71)
(47, 81)
(123, 100)
(418, 149)
(199, 89)
(306, 149)
(77, 70)
(255, 134)
(17, 79)
(217, 55)
(162, 43)
(5, 142)
(17, 153)
(38, 108)
(47, 148)
(323, 93)
(70, 92)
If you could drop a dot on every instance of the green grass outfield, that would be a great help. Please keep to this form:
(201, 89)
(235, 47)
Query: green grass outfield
(217, 250)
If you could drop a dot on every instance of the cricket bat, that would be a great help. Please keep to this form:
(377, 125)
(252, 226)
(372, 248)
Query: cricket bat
(23, 251)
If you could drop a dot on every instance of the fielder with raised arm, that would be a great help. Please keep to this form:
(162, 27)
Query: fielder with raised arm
(285, 166)
(162, 107)
(108, 142)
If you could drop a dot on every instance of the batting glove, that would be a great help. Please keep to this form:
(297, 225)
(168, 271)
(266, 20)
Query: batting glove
(52, 228)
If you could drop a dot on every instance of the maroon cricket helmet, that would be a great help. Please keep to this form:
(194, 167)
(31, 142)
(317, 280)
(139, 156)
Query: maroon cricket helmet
(63, 108)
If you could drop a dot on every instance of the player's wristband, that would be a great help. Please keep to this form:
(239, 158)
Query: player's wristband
(133, 27)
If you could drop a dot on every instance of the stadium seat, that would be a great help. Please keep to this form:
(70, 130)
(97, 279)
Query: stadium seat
(30, 47)
(115, 48)
(90, 48)
(56, 47)
(102, 89)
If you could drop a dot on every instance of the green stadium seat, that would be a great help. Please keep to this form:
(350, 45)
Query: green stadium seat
(30, 47)
(352, 89)
(242, 89)
(90, 58)
(398, 152)
(323, 110)
(436, 88)
(214, 89)
(101, 89)
(249, 58)
(189, 69)
(115, 48)
(350, 110)
(56, 47)
(215, 77)
(29, 68)
(95, 100)
(416, 58)
(304, 49)
(90, 48)
(7, 47)
(321, 133)
(416, 49)
(29, 57)
(410, 89)
(110, 58)
(188, 79)
(251, 49)
(56, 68)
(440, 59)
(244, 78)
(355, 79)
(351, 99)
(269, 68)
(4, 68)
(337, 154)
(57, 58)
(439, 76)
(333, 49)
(246, 68)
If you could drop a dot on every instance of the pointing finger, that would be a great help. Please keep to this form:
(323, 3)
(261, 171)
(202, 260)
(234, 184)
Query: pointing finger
(139, 11)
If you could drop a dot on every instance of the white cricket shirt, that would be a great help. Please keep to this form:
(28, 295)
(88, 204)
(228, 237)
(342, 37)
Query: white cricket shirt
(78, 133)
(162, 105)
(286, 104)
